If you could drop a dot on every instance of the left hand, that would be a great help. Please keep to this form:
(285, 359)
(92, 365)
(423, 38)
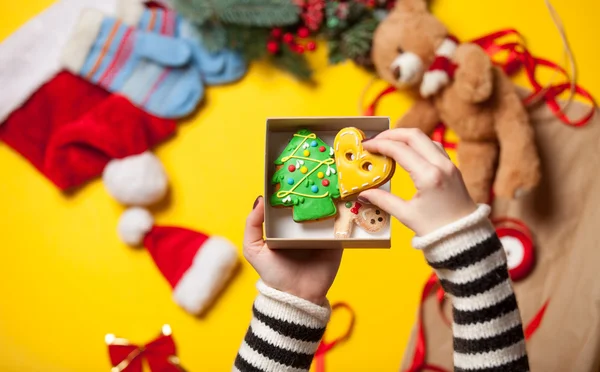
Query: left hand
(305, 273)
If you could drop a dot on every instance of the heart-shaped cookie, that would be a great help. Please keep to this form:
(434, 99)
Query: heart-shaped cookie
(358, 169)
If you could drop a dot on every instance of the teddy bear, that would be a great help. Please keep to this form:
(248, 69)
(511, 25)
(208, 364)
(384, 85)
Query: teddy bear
(459, 86)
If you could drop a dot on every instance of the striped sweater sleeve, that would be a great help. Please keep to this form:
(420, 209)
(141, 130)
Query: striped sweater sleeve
(284, 333)
(471, 265)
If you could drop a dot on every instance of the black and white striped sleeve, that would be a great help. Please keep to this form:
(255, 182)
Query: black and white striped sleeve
(284, 333)
(471, 265)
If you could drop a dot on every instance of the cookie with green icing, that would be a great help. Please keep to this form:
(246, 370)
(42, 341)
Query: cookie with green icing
(306, 178)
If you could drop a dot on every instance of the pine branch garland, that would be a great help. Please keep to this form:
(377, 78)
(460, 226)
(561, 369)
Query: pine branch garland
(285, 30)
(214, 35)
(250, 41)
(294, 63)
(264, 13)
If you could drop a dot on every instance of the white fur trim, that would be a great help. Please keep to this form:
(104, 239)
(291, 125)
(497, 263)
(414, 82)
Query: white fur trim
(447, 48)
(130, 11)
(30, 56)
(411, 66)
(133, 225)
(83, 37)
(212, 266)
(138, 180)
(433, 81)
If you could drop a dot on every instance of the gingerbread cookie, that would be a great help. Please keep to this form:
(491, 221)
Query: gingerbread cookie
(358, 169)
(306, 178)
(367, 216)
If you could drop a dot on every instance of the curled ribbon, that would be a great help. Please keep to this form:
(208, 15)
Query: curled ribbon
(160, 354)
(326, 346)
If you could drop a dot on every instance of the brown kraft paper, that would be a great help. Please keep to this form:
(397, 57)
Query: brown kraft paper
(563, 214)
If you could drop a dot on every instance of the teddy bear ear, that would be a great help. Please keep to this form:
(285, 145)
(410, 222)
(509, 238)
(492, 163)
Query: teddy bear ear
(411, 5)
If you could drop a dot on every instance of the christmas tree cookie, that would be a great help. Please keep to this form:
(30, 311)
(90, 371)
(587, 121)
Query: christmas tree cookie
(306, 178)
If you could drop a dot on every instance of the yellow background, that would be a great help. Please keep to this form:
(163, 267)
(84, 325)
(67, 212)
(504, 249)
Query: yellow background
(66, 280)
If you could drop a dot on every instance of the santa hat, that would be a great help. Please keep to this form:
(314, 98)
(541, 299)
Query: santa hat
(442, 70)
(70, 129)
(196, 266)
(30, 56)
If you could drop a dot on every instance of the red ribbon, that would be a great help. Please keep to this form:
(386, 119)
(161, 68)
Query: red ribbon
(418, 363)
(325, 346)
(160, 354)
(518, 56)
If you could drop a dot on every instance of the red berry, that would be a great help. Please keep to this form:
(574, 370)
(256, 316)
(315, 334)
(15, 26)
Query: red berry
(299, 49)
(322, 149)
(276, 33)
(325, 182)
(292, 168)
(288, 38)
(303, 32)
(311, 45)
(273, 47)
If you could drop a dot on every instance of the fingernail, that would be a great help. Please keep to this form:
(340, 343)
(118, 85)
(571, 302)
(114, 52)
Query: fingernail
(256, 201)
(367, 139)
(362, 199)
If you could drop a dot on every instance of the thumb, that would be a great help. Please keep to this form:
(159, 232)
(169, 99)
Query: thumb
(253, 234)
(385, 200)
(164, 50)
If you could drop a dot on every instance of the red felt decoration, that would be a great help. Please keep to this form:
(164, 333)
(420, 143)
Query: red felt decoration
(69, 129)
(160, 354)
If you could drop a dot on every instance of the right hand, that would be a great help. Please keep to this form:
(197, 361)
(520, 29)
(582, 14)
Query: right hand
(441, 197)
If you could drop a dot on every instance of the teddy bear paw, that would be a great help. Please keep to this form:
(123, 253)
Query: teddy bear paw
(433, 81)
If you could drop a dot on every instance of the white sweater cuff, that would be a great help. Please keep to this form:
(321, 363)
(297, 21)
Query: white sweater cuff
(288, 307)
(457, 236)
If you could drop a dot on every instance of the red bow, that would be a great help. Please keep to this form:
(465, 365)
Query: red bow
(160, 354)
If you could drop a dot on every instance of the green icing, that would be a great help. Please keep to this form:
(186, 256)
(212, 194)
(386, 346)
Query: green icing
(307, 206)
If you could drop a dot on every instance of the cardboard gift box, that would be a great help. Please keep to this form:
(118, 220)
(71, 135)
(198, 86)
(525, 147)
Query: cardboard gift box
(281, 231)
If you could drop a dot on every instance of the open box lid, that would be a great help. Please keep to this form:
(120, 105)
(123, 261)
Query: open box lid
(281, 231)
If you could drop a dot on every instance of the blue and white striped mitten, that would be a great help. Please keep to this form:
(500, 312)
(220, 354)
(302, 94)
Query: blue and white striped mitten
(221, 67)
(155, 72)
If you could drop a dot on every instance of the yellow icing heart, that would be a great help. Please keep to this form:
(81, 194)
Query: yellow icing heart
(358, 169)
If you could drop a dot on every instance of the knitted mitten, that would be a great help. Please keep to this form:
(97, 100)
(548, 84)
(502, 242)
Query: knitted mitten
(151, 70)
(224, 66)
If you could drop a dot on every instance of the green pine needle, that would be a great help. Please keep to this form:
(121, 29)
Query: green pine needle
(294, 63)
(264, 13)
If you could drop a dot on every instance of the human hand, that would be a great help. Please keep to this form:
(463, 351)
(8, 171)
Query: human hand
(305, 273)
(441, 197)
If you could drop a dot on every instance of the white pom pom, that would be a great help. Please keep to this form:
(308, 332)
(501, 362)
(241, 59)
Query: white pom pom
(133, 225)
(138, 180)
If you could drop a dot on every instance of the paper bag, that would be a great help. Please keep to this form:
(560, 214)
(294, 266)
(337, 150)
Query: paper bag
(563, 214)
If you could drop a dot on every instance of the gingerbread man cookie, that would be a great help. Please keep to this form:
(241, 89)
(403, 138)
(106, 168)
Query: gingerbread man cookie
(358, 169)
(367, 216)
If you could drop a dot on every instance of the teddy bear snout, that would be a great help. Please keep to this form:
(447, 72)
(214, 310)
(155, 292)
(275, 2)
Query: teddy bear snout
(407, 68)
(396, 72)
